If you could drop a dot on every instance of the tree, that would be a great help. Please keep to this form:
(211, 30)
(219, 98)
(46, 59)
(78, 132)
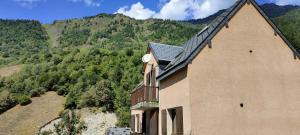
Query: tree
(105, 95)
(70, 124)
(100, 95)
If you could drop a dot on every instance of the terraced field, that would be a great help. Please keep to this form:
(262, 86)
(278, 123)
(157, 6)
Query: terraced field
(25, 120)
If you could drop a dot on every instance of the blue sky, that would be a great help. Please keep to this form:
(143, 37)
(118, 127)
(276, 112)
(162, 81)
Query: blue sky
(47, 11)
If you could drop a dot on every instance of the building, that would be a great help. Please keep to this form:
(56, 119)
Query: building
(238, 76)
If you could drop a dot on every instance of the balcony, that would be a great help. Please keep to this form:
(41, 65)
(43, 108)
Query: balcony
(144, 98)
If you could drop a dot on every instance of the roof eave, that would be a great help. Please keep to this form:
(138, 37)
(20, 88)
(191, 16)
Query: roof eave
(216, 30)
(201, 46)
(153, 52)
(277, 30)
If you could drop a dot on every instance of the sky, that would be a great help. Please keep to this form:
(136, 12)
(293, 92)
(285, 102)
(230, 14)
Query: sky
(47, 11)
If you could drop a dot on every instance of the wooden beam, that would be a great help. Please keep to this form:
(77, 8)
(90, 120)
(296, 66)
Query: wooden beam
(226, 25)
(248, 2)
(275, 33)
(209, 44)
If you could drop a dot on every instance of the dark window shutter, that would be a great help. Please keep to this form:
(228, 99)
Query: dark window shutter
(153, 78)
(164, 122)
(179, 120)
(154, 122)
(138, 123)
(148, 77)
(132, 123)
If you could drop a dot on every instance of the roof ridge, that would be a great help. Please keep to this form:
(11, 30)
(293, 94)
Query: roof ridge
(176, 64)
(192, 49)
(205, 29)
(165, 44)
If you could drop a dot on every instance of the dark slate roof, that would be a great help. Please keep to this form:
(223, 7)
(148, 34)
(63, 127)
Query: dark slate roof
(193, 46)
(164, 52)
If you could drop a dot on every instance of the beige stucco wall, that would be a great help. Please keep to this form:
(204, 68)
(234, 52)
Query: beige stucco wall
(174, 92)
(152, 63)
(149, 65)
(266, 81)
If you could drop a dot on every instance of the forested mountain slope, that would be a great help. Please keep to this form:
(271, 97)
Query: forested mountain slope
(94, 61)
(21, 40)
(272, 10)
(290, 26)
(119, 32)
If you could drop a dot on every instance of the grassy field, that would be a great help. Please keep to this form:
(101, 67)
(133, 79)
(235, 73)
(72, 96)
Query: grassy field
(25, 120)
(8, 71)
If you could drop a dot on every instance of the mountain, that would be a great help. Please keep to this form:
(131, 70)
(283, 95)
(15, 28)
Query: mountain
(96, 61)
(272, 10)
(118, 31)
(21, 40)
(289, 24)
(207, 19)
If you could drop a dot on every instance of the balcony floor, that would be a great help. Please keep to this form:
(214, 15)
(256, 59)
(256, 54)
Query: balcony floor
(145, 106)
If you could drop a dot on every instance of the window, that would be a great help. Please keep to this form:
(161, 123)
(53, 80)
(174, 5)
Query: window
(173, 119)
(151, 78)
(132, 123)
(173, 123)
(138, 123)
(148, 78)
(164, 122)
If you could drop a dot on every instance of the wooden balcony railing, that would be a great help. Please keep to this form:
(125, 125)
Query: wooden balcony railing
(144, 94)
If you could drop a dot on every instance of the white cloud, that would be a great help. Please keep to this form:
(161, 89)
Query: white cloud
(161, 3)
(286, 2)
(204, 8)
(177, 9)
(93, 3)
(137, 11)
(28, 3)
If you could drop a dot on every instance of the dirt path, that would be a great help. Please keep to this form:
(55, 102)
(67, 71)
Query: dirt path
(8, 71)
(25, 120)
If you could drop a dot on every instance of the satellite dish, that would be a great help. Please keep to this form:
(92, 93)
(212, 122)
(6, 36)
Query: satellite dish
(146, 58)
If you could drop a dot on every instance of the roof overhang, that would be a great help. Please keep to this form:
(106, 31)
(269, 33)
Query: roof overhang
(224, 22)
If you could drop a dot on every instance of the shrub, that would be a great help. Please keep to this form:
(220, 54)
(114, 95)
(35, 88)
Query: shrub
(129, 52)
(70, 124)
(100, 95)
(46, 133)
(88, 99)
(24, 100)
(6, 101)
(62, 91)
(72, 100)
(35, 93)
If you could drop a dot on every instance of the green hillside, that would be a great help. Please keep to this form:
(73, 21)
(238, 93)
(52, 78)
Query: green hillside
(21, 40)
(95, 61)
(290, 26)
(119, 32)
